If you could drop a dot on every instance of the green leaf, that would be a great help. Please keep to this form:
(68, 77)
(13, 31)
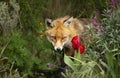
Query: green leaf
(77, 55)
(77, 58)
(69, 62)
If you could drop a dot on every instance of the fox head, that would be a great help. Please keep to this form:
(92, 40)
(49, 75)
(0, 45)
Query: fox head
(59, 32)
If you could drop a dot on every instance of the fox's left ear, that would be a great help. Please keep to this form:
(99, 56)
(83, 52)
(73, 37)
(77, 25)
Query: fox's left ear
(68, 21)
(48, 23)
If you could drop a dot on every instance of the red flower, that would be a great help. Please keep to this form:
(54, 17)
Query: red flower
(75, 42)
(82, 49)
(77, 45)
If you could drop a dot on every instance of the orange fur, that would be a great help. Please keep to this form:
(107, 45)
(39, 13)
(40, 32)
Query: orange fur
(61, 31)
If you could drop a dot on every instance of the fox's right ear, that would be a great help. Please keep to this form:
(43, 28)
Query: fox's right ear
(48, 23)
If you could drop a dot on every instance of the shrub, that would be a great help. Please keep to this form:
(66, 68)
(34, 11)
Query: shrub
(101, 57)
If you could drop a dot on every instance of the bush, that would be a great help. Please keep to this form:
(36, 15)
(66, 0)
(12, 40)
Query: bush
(103, 56)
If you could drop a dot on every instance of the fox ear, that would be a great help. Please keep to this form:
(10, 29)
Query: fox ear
(68, 21)
(48, 23)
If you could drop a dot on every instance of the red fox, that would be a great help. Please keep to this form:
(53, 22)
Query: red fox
(61, 31)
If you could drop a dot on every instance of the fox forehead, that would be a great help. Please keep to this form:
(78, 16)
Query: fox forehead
(58, 29)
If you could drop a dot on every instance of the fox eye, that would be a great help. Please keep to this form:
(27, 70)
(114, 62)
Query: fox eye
(53, 37)
(64, 37)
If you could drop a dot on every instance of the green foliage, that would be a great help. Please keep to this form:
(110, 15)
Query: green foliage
(58, 8)
(17, 52)
(9, 15)
(82, 67)
(101, 59)
(24, 49)
(111, 43)
(90, 6)
(25, 46)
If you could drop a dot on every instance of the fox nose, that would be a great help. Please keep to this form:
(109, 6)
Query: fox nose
(58, 49)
